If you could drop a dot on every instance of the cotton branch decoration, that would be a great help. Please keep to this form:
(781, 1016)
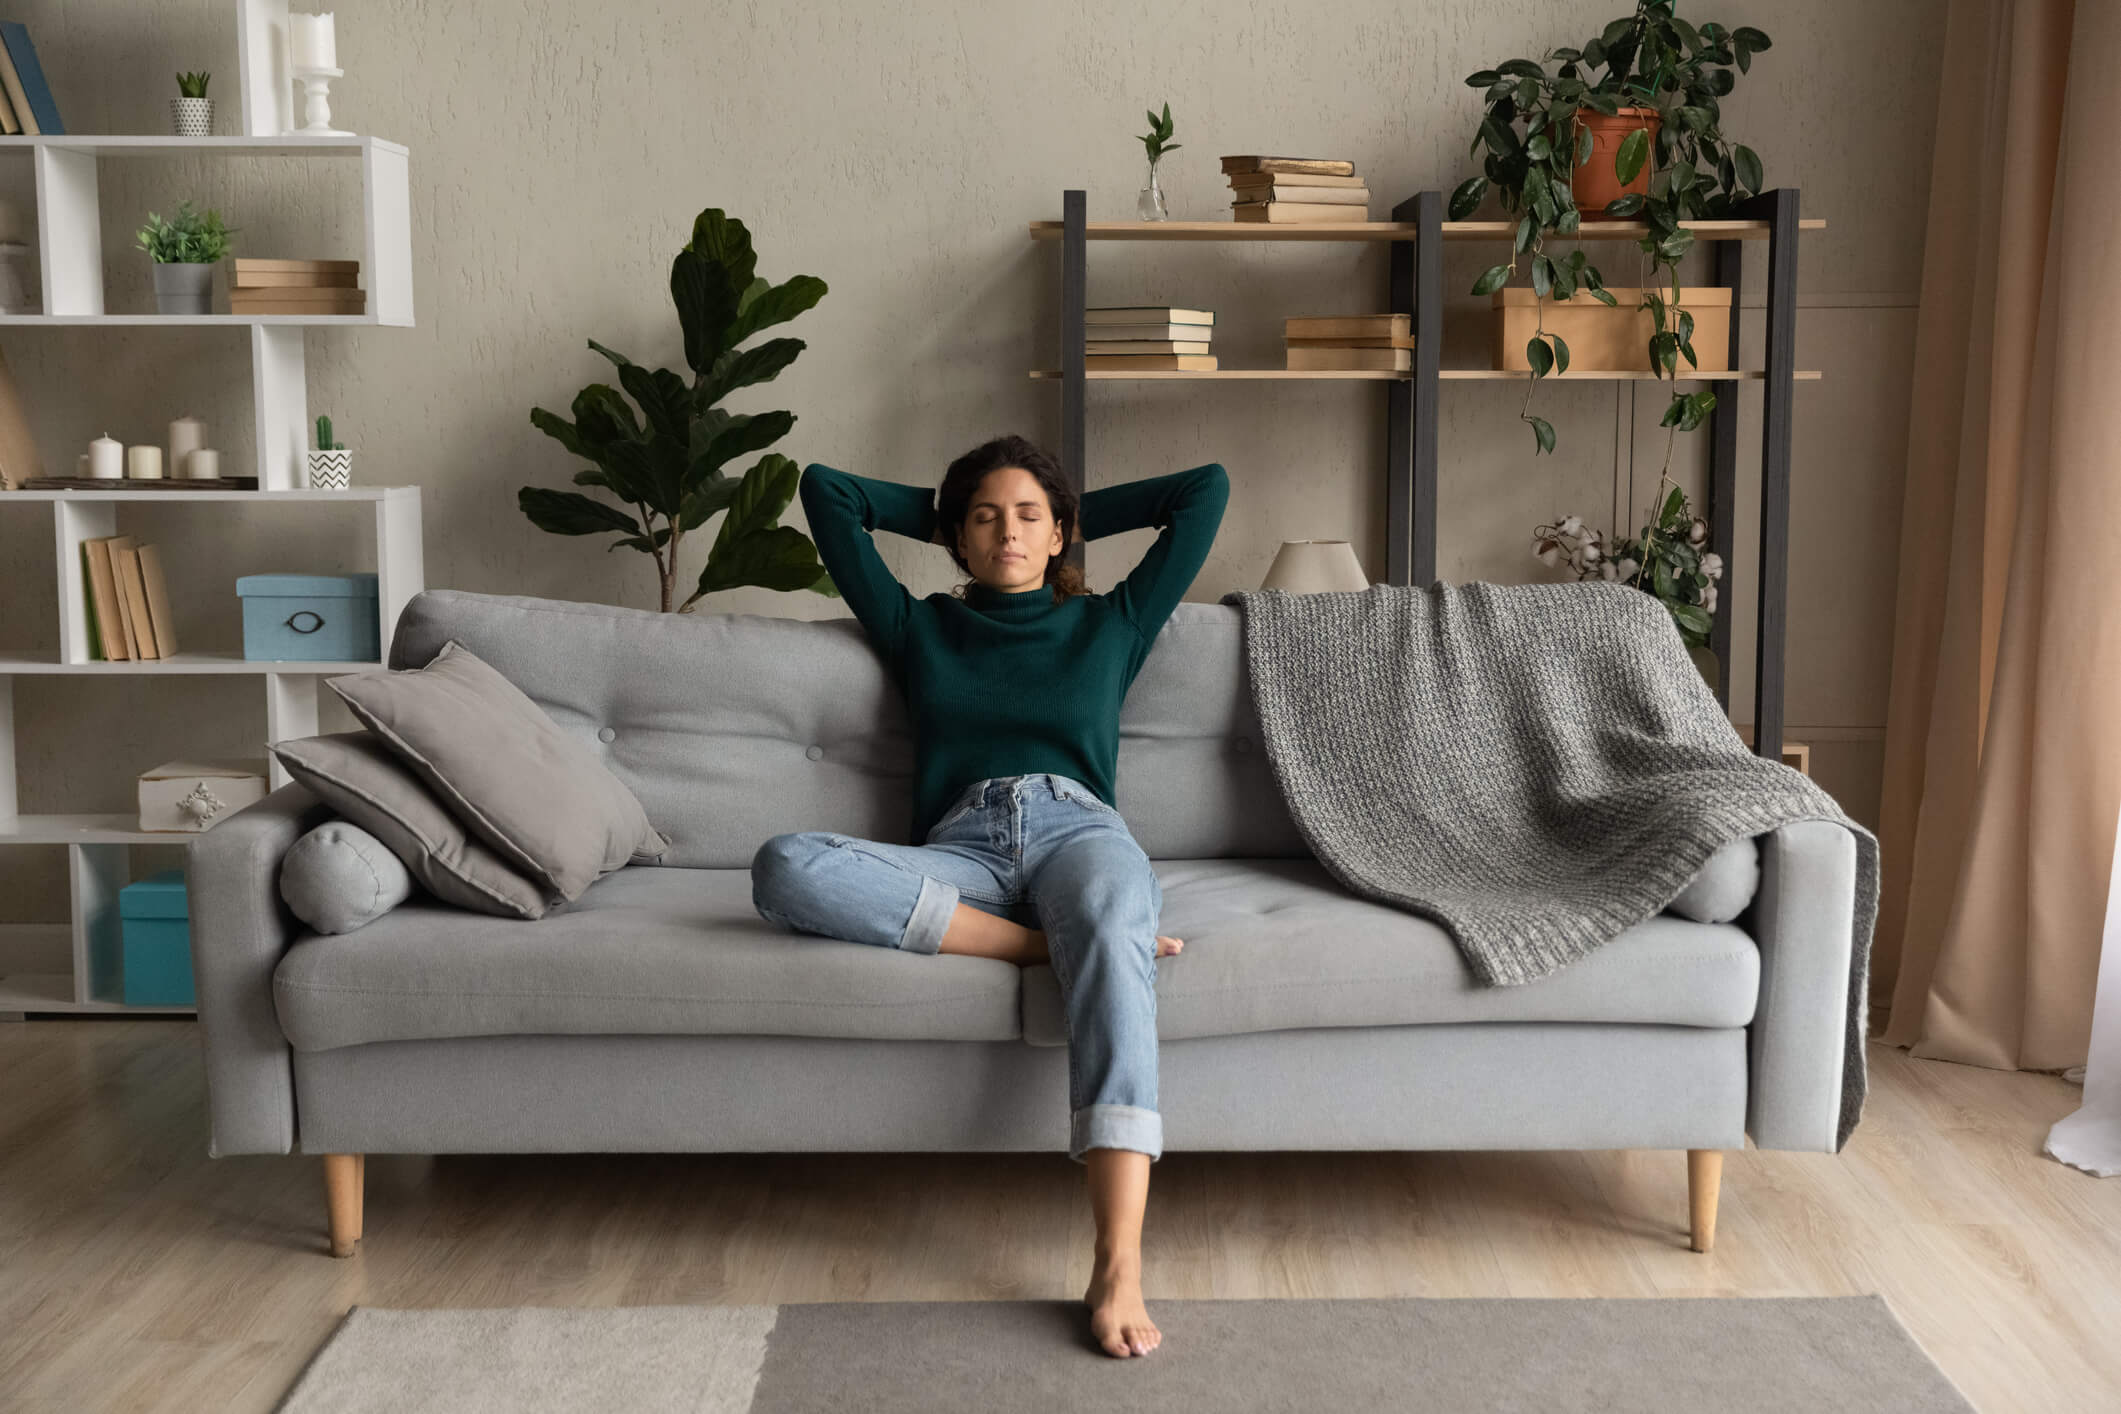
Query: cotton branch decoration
(1670, 560)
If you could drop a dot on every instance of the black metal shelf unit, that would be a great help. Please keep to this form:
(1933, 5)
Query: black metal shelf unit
(1415, 288)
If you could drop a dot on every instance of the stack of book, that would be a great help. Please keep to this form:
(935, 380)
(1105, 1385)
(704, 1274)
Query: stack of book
(128, 603)
(1351, 341)
(1148, 337)
(1292, 190)
(26, 107)
(296, 287)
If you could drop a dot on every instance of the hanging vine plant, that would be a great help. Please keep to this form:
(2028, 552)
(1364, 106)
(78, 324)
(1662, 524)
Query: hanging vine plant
(1671, 74)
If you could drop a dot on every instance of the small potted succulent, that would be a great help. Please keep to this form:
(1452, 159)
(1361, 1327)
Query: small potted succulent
(330, 465)
(185, 251)
(1149, 205)
(191, 114)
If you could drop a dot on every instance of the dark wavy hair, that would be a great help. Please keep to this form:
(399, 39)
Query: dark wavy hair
(954, 498)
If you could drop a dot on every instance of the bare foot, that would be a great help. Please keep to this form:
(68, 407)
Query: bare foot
(1035, 950)
(1118, 1319)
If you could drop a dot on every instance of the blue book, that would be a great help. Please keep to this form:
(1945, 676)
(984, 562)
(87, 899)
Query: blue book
(23, 56)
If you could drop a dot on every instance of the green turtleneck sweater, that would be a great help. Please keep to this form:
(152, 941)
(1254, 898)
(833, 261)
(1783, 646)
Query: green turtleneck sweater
(1000, 683)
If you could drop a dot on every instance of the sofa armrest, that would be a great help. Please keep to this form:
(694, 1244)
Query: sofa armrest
(1803, 921)
(239, 929)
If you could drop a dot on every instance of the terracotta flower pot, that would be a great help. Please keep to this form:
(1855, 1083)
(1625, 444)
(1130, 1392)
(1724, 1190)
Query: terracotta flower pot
(1595, 185)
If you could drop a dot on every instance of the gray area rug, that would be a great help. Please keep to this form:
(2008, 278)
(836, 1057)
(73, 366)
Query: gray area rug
(1552, 1356)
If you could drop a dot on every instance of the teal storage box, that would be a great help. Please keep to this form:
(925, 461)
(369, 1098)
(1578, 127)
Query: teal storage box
(157, 928)
(315, 618)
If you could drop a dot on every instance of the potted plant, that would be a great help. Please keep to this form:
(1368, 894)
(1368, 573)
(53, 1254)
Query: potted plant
(666, 462)
(330, 465)
(191, 114)
(1150, 203)
(1650, 83)
(185, 251)
(1670, 559)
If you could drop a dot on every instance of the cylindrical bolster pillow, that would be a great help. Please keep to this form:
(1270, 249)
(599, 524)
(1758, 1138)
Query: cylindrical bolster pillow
(338, 877)
(1725, 885)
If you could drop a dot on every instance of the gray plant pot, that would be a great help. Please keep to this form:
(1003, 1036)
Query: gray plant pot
(184, 289)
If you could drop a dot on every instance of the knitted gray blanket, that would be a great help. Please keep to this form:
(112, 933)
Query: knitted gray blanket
(1533, 767)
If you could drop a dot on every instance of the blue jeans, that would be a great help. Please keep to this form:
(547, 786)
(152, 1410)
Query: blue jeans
(1040, 850)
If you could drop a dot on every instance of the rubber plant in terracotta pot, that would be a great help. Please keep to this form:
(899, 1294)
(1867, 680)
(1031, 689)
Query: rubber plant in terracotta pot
(1630, 121)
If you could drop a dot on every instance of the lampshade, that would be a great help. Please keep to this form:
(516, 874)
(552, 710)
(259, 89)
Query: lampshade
(1310, 566)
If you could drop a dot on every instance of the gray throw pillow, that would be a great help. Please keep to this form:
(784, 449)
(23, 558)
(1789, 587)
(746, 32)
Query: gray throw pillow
(357, 776)
(338, 877)
(517, 780)
(1725, 885)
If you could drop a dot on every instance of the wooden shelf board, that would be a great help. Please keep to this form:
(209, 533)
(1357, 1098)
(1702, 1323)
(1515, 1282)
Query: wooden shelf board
(1094, 375)
(147, 144)
(1391, 230)
(54, 991)
(353, 494)
(1622, 230)
(234, 321)
(1743, 375)
(37, 664)
(83, 829)
(1752, 375)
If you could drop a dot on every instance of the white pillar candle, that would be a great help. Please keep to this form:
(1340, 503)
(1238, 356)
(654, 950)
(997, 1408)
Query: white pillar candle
(186, 435)
(204, 464)
(313, 41)
(143, 463)
(106, 458)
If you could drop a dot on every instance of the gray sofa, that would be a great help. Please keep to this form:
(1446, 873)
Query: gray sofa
(660, 1013)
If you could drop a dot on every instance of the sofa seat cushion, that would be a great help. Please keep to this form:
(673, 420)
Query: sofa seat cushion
(645, 950)
(1278, 944)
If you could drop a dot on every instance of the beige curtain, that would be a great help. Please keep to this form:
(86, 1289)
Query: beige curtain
(2003, 734)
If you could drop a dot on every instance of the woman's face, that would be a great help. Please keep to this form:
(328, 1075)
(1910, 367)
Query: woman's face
(1009, 532)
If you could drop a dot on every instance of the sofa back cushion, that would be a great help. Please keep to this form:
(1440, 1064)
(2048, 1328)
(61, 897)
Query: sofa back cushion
(732, 728)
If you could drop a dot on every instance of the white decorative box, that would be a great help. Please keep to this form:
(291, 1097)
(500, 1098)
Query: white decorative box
(190, 796)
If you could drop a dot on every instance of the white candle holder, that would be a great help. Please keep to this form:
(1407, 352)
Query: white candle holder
(316, 102)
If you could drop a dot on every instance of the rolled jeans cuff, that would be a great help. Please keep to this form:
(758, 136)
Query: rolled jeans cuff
(932, 912)
(1115, 1127)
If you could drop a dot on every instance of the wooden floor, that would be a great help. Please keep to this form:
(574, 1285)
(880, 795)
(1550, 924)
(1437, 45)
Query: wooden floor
(137, 1273)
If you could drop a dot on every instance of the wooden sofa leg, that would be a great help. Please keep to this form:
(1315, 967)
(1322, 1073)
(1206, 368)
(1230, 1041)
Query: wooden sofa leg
(344, 1176)
(1704, 1180)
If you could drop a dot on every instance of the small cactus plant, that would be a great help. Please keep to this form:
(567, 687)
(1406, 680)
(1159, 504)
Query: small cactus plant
(192, 85)
(324, 442)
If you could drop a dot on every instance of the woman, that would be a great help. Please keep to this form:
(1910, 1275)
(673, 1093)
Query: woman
(1013, 686)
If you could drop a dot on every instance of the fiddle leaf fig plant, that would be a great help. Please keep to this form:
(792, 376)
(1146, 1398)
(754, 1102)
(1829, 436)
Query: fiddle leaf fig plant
(1535, 140)
(666, 460)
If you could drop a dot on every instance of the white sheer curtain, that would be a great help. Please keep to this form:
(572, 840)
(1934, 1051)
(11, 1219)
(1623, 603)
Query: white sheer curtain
(2090, 1139)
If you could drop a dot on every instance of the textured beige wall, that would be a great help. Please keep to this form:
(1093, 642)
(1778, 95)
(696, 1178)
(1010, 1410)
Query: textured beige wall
(560, 151)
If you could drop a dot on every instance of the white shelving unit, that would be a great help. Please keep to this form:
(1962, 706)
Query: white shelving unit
(65, 171)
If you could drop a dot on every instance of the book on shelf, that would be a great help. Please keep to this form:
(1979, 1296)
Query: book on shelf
(22, 77)
(9, 126)
(1101, 333)
(157, 602)
(19, 462)
(261, 265)
(1339, 326)
(1389, 341)
(1295, 213)
(106, 632)
(1308, 196)
(1317, 359)
(1173, 363)
(132, 590)
(1295, 182)
(1146, 314)
(294, 279)
(1318, 166)
(1106, 348)
(298, 301)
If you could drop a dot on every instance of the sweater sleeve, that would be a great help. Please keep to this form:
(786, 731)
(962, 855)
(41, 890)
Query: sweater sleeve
(843, 509)
(1189, 506)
